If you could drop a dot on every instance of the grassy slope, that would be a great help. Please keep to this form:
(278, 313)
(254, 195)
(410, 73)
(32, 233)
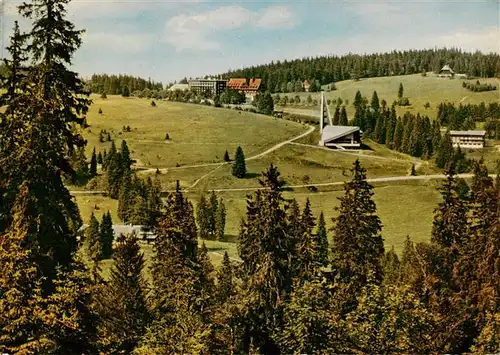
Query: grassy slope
(199, 134)
(417, 88)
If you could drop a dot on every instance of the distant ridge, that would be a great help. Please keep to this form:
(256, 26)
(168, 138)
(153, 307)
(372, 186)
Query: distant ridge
(289, 75)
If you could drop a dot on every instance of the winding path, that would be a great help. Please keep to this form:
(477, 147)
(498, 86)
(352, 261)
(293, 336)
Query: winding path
(260, 155)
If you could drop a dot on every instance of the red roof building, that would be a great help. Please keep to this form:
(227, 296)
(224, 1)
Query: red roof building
(240, 84)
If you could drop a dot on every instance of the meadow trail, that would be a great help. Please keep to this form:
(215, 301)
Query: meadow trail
(260, 155)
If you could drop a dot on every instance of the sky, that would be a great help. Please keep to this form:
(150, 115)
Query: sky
(168, 40)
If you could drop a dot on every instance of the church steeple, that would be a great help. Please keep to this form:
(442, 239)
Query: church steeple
(325, 118)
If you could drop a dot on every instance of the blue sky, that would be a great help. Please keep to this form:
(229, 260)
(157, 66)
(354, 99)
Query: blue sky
(168, 40)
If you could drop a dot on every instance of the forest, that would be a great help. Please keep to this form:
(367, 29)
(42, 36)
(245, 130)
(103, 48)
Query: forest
(296, 288)
(289, 75)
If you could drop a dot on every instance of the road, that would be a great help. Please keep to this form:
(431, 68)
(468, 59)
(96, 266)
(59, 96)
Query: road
(335, 183)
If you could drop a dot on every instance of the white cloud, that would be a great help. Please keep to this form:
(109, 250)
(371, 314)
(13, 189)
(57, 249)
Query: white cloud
(110, 42)
(195, 31)
(276, 17)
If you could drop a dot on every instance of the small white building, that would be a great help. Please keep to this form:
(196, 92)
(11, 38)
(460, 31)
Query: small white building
(340, 137)
(140, 231)
(468, 139)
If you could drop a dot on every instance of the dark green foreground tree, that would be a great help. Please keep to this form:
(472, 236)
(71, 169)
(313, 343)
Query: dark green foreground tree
(45, 307)
(239, 167)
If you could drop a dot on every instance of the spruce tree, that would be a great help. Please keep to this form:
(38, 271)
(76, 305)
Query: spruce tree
(203, 218)
(265, 104)
(322, 241)
(125, 199)
(343, 121)
(444, 154)
(125, 157)
(307, 250)
(357, 246)
(226, 157)
(400, 91)
(93, 164)
(358, 99)
(99, 158)
(220, 221)
(392, 267)
(266, 252)
(92, 243)
(239, 169)
(123, 301)
(225, 286)
(106, 236)
(450, 217)
(213, 206)
(336, 116)
(375, 104)
(48, 108)
(398, 135)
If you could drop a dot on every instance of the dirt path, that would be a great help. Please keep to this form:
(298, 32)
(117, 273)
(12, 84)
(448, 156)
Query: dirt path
(416, 162)
(260, 155)
(463, 98)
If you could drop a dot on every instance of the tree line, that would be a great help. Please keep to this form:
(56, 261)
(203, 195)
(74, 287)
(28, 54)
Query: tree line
(478, 87)
(289, 75)
(116, 84)
(465, 116)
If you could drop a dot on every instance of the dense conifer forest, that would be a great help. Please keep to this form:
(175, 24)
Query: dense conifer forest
(289, 75)
(290, 291)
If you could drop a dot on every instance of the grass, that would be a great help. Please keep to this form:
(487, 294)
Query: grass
(405, 208)
(417, 88)
(87, 203)
(198, 134)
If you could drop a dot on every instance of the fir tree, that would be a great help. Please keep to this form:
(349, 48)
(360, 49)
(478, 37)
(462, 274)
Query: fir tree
(92, 243)
(125, 157)
(226, 157)
(220, 221)
(93, 164)
(123, 307)
(203, 218)
(106, 236)
(336, 116)
(358, 99)
(213, 206)
(99, 158)
(343, 117)
(450, 217)
(48, 114)
(400, 91)
(322, 241)
(398, 135)
(266, 252)
(307, 249)
(375, 104)
(357, 232)
(391, 266)
(239, 168)
(444, 154)
(125, 91)
(125, 199)
(225, 286)
(265, 104)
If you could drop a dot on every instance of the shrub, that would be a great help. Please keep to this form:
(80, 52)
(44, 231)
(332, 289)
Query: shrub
(100, 111)
(104, 96)
(153, 103)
